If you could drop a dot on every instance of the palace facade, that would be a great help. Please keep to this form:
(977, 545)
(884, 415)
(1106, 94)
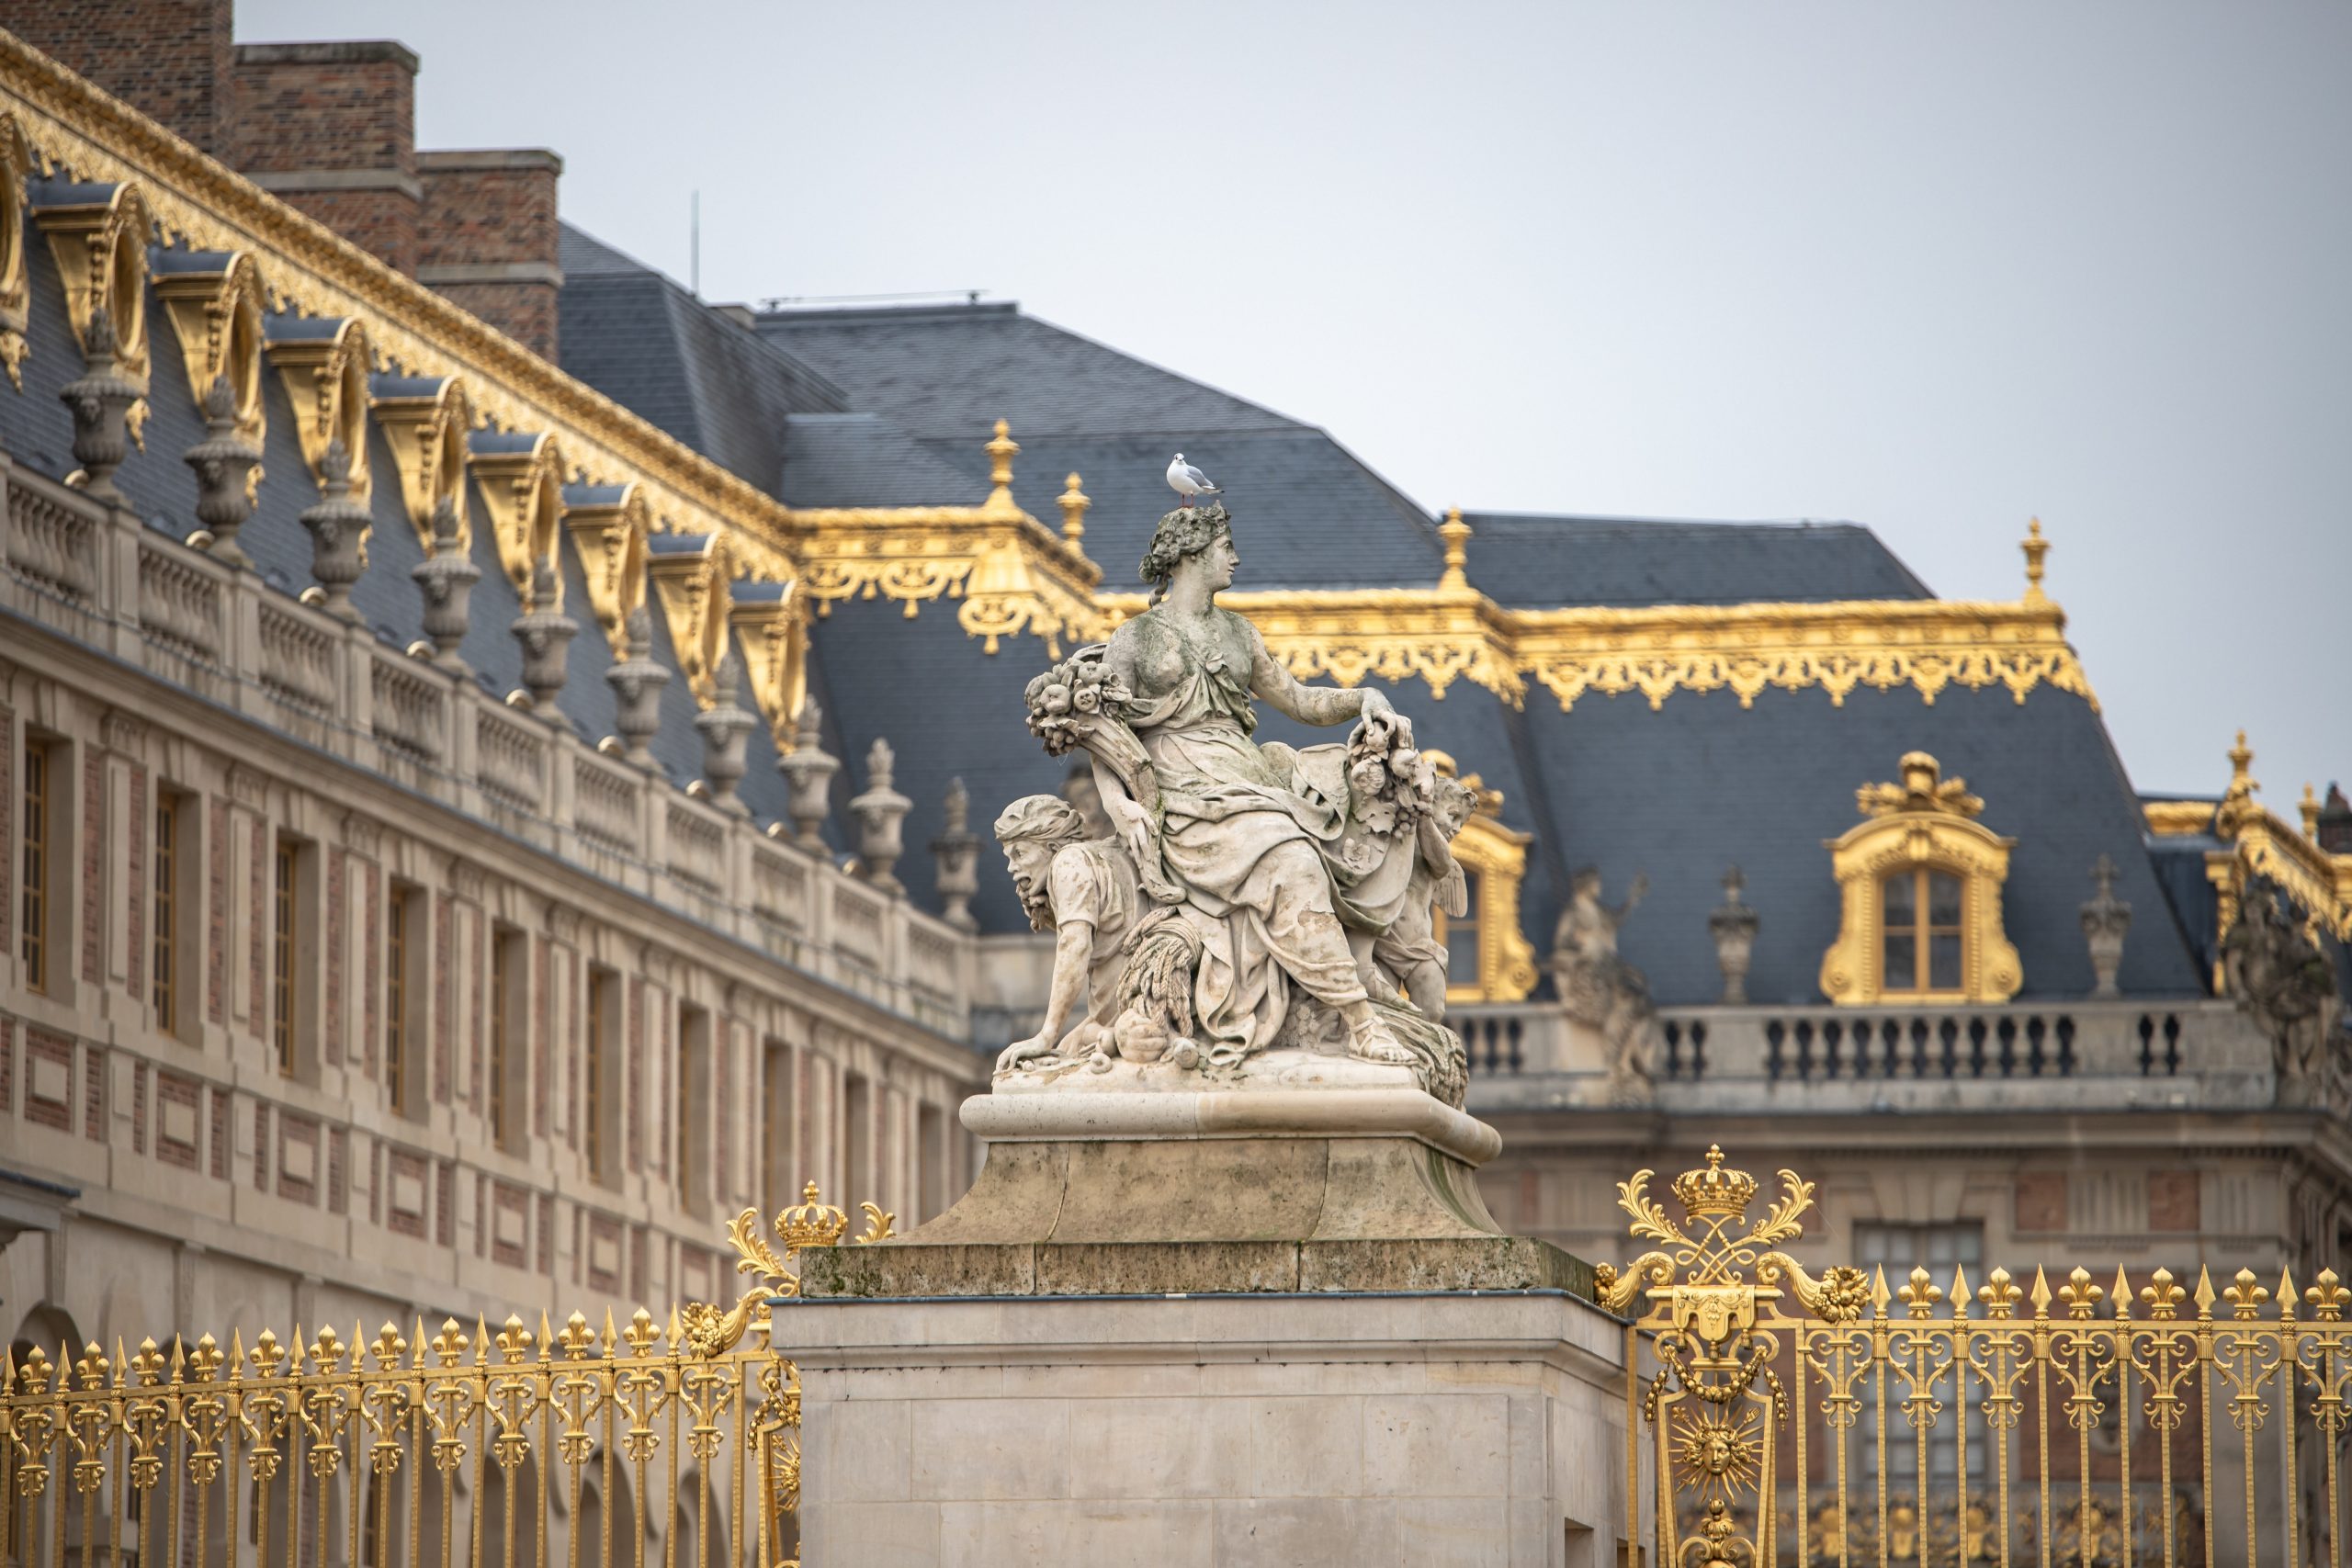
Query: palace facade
(498, 751)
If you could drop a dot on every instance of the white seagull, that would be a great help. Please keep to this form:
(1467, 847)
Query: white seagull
(1189, 481)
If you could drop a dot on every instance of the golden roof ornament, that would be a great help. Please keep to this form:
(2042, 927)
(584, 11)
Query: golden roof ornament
(1000, 452)
(1921, 789)
(2035, 548)
(2237, 801)
(2309, 806)
(1074, 503)
(1455, 534)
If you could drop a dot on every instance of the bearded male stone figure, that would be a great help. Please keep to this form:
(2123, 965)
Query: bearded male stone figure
(1083, 890)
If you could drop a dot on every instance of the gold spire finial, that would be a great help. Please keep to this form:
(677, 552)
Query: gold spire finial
(1074, 503)
(2309, 806)
(2241, 755)
(2035, 548)
(1000, 453)
(1456, 535)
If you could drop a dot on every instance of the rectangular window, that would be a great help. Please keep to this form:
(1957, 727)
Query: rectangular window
(401, 951)
(282, 976)
(857, 1140)
(507, 1005)
(694, 1102)
(32, 910)
(595, 1073)
(1921, 930)
(777, 1178)
(1940, 1249)
(166, 994)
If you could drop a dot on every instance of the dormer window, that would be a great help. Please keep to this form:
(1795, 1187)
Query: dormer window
(1920, 883)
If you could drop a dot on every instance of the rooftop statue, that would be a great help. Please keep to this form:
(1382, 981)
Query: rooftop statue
(1262, 914)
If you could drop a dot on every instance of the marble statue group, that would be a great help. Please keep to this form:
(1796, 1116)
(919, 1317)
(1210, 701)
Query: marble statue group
(1257, 910)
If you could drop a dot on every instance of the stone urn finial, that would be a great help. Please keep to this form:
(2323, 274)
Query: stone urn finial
(2105, 919)
(224, 462)
(957, 849)
(447, 579)
(809, 769)
(100, 401)
(725, 726)
(1732, 925)
(337, 524)
(545, 633)
(881, 813)
(637, 684)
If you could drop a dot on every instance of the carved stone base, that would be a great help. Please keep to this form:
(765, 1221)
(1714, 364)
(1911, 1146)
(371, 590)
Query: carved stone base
(1120, 1193)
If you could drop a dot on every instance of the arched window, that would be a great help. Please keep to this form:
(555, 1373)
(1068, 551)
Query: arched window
(1920, 893)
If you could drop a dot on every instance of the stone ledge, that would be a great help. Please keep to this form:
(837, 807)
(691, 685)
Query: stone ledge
(947, 1270)
(1391, 1111)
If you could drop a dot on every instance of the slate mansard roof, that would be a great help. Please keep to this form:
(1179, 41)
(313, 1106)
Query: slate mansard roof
(1679, 791)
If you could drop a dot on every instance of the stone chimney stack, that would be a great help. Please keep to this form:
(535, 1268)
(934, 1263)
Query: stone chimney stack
(169, 59)
(331, 128)
(487, 239)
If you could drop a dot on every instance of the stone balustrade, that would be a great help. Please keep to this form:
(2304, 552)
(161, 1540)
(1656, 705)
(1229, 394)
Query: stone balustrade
(2040, 1054)
(96, 575)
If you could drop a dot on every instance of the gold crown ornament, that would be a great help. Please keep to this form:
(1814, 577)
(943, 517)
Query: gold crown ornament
(1714, 1192)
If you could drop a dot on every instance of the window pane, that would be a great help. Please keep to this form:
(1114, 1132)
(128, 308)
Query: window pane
(1901, 907)
(1944, 963)
(1943, 898)
(1899, 966)
(1461, 938)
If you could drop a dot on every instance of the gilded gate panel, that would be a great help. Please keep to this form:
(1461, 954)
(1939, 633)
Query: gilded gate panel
(1809, 1420)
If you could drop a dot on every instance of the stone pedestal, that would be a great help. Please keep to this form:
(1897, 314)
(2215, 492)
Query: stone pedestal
(1259, 1429)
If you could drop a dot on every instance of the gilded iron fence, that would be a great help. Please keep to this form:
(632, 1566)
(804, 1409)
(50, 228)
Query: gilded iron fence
(1808, 1420)
(586, 1444)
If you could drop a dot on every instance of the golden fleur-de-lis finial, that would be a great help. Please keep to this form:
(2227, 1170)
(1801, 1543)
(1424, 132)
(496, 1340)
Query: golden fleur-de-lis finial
(449, 1347)
(2244, 1295)
(514, 1340)
(2080, 1294)
(2000, 1294)
(579, 1340)
(2327, 1297)
(1919, 1294)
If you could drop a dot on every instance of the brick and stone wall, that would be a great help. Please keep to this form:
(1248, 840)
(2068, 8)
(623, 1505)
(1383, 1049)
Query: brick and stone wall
(170, 58)
(487, 241)
(331, 128)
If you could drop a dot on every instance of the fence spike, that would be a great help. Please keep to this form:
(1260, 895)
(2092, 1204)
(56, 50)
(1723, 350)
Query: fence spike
(2287, 1295)
(608, 1334)
(1879, 1295)
(179, 1361)
(481, 1340)
(2040, 1294)
(2123, 1297)
(418, 1364)
(1960, 1293)
(121, 1362)
(2203, 1296)
(236, 1355)
(671, 1332)
(546, 1339)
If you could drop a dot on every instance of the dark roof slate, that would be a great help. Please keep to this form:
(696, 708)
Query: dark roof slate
(947, 371)
(862, 460)
(1532, 559)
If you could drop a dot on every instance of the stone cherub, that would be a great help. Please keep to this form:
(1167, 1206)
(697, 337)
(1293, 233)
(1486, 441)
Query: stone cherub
(1600, 989)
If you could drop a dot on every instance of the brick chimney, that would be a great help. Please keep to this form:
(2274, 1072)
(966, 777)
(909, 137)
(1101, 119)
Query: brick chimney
(487, 239)
(331, 128)
(169, 59)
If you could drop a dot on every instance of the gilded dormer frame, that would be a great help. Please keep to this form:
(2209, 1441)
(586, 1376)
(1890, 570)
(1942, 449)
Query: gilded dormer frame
(609, 526)
(1924, 821)
(323, 362)
(771, 627)
(216, 303)
(426, 422)
(520, 475)
(694, 585)
(101, 251)
(16, 288)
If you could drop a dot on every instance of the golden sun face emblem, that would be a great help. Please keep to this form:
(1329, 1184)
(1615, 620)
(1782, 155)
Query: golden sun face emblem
(1716, 1458)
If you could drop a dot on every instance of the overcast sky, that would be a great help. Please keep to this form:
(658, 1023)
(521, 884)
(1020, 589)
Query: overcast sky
(1934, 268)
